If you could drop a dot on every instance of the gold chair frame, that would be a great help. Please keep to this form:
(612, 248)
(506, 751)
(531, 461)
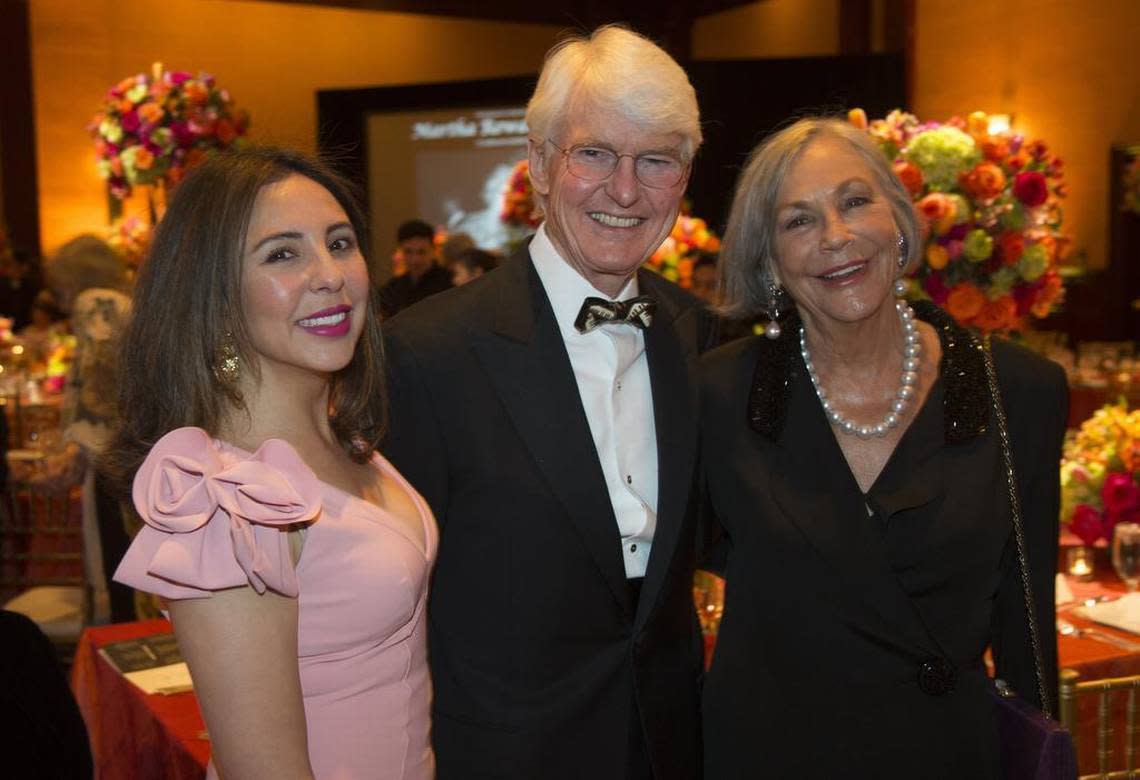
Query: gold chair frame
(1071, 688)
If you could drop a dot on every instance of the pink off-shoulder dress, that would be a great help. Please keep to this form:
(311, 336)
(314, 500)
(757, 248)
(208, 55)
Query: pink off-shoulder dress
(214, 516)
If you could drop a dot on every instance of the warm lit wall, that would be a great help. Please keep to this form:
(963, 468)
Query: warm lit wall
(1060, 67)
(271, 57)
(772, 28)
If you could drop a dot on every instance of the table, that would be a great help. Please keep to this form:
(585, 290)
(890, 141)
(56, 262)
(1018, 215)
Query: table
(1095, 660)
(133, 734)
(136, 735)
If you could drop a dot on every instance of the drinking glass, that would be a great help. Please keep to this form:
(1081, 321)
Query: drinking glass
(1126, 553)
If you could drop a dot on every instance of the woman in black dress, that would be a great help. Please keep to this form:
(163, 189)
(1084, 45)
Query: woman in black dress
(854, 467)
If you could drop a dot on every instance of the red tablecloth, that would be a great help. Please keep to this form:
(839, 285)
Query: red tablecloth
(133, 734)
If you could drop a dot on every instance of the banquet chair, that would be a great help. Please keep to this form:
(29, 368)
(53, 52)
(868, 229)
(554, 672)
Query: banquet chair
(44, 553)
(1106, 691)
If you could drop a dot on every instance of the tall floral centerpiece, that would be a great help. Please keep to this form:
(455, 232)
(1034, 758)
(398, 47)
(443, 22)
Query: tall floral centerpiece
(991, 203)
(153, 127)
(689, 238)
(1098, 474)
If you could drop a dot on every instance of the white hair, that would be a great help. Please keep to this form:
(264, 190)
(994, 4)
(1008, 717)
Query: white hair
(618, 71)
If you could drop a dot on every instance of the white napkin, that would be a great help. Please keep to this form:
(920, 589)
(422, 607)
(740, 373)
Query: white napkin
(1064, 592)
(1124, 612)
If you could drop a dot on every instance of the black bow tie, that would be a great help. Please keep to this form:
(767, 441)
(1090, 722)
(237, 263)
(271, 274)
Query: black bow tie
(598, 311)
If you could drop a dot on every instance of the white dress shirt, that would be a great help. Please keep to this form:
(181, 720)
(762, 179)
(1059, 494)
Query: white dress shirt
(613, 381)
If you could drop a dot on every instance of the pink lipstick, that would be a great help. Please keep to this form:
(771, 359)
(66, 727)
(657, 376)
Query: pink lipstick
(332, 322)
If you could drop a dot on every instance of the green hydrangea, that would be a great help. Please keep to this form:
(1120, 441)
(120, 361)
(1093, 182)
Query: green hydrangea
(978, 245)
(1033, 262)
(1001, 282)
(942, 154)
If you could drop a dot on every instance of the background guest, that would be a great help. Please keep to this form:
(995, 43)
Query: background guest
(44, 734)
(422, 276)
(91, 284)
(528, 408)
(856, 450)
(471, 264)
(705, 281)
(250, 405)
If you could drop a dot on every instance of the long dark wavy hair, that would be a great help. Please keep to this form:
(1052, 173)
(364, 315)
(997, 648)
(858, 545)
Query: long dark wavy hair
(187, 304)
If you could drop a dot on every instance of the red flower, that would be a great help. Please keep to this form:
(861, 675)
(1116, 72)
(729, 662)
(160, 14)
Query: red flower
(130, 121)
(1087, 524)
(1030, 188)
(1119, 493)
(1011, 245)
(910, 175)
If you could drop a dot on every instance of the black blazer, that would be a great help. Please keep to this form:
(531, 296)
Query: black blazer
(835, 600)
(536, 650)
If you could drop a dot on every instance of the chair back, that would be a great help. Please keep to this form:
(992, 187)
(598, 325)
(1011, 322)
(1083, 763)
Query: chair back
(1115, 696)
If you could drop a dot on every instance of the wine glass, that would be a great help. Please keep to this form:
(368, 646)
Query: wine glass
(1126, 553)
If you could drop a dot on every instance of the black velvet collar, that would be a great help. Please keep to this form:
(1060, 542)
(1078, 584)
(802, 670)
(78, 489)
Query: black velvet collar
(966, 401)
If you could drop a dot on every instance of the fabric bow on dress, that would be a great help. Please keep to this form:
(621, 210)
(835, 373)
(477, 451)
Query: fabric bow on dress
(215, 518)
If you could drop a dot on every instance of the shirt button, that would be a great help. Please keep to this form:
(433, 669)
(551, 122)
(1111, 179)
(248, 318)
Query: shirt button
(628, 479)
(633, 548)
(619, 385)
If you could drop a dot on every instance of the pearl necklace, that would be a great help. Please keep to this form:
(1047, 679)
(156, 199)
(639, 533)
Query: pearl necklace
(911, 361)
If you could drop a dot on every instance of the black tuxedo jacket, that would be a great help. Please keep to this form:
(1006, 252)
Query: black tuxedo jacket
(836, 601)
(537, 650)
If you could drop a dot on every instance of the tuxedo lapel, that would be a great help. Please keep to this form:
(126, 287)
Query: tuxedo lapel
(671, 349)
(526, 359)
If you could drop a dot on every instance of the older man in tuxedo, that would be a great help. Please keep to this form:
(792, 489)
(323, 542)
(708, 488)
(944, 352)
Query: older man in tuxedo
(547, 412)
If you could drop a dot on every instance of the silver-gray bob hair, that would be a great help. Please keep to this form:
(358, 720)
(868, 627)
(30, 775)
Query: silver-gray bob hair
(747, 252)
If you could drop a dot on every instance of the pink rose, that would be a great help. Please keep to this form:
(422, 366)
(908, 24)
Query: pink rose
(1030, 188)
(1119, 493)
(1087, 524)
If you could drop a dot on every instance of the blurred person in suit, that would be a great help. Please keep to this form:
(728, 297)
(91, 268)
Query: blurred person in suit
(423, 275)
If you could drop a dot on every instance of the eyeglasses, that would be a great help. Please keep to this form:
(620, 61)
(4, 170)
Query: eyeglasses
(597, 163)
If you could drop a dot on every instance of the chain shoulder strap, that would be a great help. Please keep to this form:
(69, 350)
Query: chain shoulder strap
(1018, 527)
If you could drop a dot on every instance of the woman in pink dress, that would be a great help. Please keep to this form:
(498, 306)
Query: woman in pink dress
(294, 559)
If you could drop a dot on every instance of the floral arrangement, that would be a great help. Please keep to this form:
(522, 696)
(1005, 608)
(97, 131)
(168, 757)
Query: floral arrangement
(153, 127)
(991, 207)
(519, 209)
(689, 238)
(130, 237)
(1132, 186)
(1098, 473)
(57, 364)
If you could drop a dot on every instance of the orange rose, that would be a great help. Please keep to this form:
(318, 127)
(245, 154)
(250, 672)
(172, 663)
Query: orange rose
(938, 210)
(150, 113)
(995, 149)
(985, 182)
(1047, 295)
(996, 315)
(857, 117)
(964, 301)
(143, 159)
(978, 124)
(196, 93)
(936, 256)
(1011, 244)
(1015, 162)
(910, 175)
